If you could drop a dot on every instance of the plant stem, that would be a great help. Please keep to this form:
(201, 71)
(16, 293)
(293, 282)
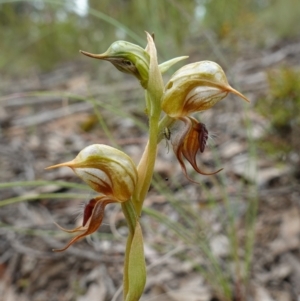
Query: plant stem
(146, 165)
(130, 215)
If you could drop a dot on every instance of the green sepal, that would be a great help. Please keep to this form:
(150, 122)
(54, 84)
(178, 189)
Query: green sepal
(155, 83)
(128, 58)
(165, 66)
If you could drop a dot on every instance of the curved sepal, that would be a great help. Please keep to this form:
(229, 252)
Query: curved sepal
(105, 169)
(196, 87)
(127, 58)
(165, 66)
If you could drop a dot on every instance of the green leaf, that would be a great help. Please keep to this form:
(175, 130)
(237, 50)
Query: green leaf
(136, 266)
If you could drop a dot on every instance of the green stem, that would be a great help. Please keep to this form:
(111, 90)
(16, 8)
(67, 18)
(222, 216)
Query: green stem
(146, 165)
(153, 95)
(130, 215)
(134, 267)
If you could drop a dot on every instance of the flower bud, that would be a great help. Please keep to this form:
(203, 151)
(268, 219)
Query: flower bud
(196, 87)
(128, 58)
(105, 169)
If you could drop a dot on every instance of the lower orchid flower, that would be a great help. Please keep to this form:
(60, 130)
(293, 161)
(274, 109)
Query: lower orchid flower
(92, 220)
(109, 172)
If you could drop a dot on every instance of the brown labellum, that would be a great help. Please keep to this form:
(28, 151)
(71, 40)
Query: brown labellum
(88, 209)
(202, 135)
(92, 219)
(186, 144)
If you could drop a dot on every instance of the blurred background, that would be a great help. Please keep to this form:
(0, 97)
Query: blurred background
(234, 236)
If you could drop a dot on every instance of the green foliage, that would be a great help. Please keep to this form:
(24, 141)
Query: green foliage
(237, 21)
(282, 108)
(282, 17)
(33, 34)
(40, 34)
(224, 17)
(284, 96)
(154, 16)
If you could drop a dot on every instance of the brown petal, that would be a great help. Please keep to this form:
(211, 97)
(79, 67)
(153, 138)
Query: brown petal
(88, 210)
(191, 139)
(77, 229)
(94, 222)
(202, 135)
(178, 144)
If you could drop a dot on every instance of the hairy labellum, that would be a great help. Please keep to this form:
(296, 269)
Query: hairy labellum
(88, 209)
(186, 144)
(203, 135)
(92, 219)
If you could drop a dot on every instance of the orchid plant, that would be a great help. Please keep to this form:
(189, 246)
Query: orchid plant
(194, 88)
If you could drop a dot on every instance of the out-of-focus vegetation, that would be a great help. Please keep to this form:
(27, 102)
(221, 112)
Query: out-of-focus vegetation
(40, 34)
(259, 20)
(282, 108)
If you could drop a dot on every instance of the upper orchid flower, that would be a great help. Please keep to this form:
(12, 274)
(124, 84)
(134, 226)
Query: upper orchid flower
(196, 87)
(133, 59)
(108, 171)
(193, 88)
(128, 58)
